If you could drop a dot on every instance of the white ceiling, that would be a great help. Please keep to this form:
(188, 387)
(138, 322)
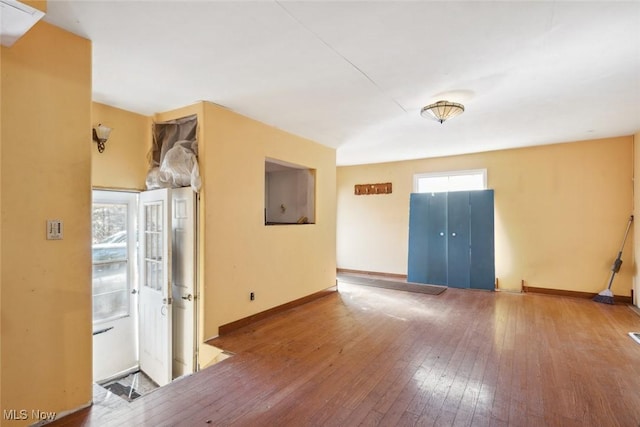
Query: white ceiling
(15, 20)
(354, 75)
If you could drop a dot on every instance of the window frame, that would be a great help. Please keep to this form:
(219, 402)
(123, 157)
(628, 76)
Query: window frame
(305, 212)
(463, 172)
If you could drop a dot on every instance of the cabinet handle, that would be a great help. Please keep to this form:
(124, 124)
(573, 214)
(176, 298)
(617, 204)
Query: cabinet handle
(442, 234)
(453, 234)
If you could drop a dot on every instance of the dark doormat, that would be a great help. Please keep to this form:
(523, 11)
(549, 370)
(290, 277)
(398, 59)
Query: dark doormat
(122, 391)
(392, 284)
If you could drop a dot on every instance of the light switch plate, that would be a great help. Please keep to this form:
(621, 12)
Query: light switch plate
(54, 229)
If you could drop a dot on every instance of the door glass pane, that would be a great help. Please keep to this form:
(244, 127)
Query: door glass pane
(153, 245)
(110, 261)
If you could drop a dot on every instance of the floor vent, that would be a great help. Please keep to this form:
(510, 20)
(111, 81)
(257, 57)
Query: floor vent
(123, 391)
(131, 387)
(635, 336)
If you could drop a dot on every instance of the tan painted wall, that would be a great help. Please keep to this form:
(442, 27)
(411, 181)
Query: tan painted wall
(636, 210)
(1, 231)
(239, 254)
(37, 4)
(560, 211)
(123, 164)
(278, 263)
(46, 174)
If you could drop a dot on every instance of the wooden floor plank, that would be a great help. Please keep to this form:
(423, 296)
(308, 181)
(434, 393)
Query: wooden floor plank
(372, 356)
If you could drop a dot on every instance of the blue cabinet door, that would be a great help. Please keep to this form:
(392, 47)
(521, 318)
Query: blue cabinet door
(418, 220)
(482, 267)
(458, 212)
(451, 239)
(428, 239)
(437, 271)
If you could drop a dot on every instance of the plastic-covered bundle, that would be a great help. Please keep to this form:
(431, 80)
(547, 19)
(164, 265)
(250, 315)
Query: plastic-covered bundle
(178, 168)
(173, 158)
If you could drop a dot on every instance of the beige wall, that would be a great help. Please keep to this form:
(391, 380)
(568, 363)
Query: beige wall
(38, 4)
(1, 231)
(46, 174)
(123, 164)
(278, 263)
(636, 228)
(560, 213)
(239, 254)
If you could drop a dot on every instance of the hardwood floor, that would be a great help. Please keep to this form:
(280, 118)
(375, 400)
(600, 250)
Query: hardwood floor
(369, 356)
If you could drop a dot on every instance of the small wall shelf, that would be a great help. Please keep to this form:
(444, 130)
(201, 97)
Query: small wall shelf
(367, 189)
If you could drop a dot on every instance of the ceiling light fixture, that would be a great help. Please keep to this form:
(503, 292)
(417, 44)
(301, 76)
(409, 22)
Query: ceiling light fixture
(100, 135)
(442, 110)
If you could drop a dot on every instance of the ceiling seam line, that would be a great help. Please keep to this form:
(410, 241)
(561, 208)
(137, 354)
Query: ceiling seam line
(340, 55)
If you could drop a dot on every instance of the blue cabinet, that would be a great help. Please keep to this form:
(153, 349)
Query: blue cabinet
(451, 239)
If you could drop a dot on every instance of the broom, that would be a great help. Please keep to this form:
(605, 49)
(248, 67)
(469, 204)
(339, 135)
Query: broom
(606, 296)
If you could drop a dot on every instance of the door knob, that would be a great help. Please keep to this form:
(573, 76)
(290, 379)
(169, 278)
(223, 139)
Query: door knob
(187, 297)
(134, 291)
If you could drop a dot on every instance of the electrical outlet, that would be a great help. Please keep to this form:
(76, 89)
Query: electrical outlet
(252, 296)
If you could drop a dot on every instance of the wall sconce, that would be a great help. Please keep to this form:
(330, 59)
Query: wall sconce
(100, 135)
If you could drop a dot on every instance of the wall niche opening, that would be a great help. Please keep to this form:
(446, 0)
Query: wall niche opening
(289, 193)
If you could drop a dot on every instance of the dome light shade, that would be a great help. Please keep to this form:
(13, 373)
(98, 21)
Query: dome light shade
(442, 110)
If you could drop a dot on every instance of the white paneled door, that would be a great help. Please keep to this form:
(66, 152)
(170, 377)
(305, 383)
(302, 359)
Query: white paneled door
(184, 278)
(155, 300)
